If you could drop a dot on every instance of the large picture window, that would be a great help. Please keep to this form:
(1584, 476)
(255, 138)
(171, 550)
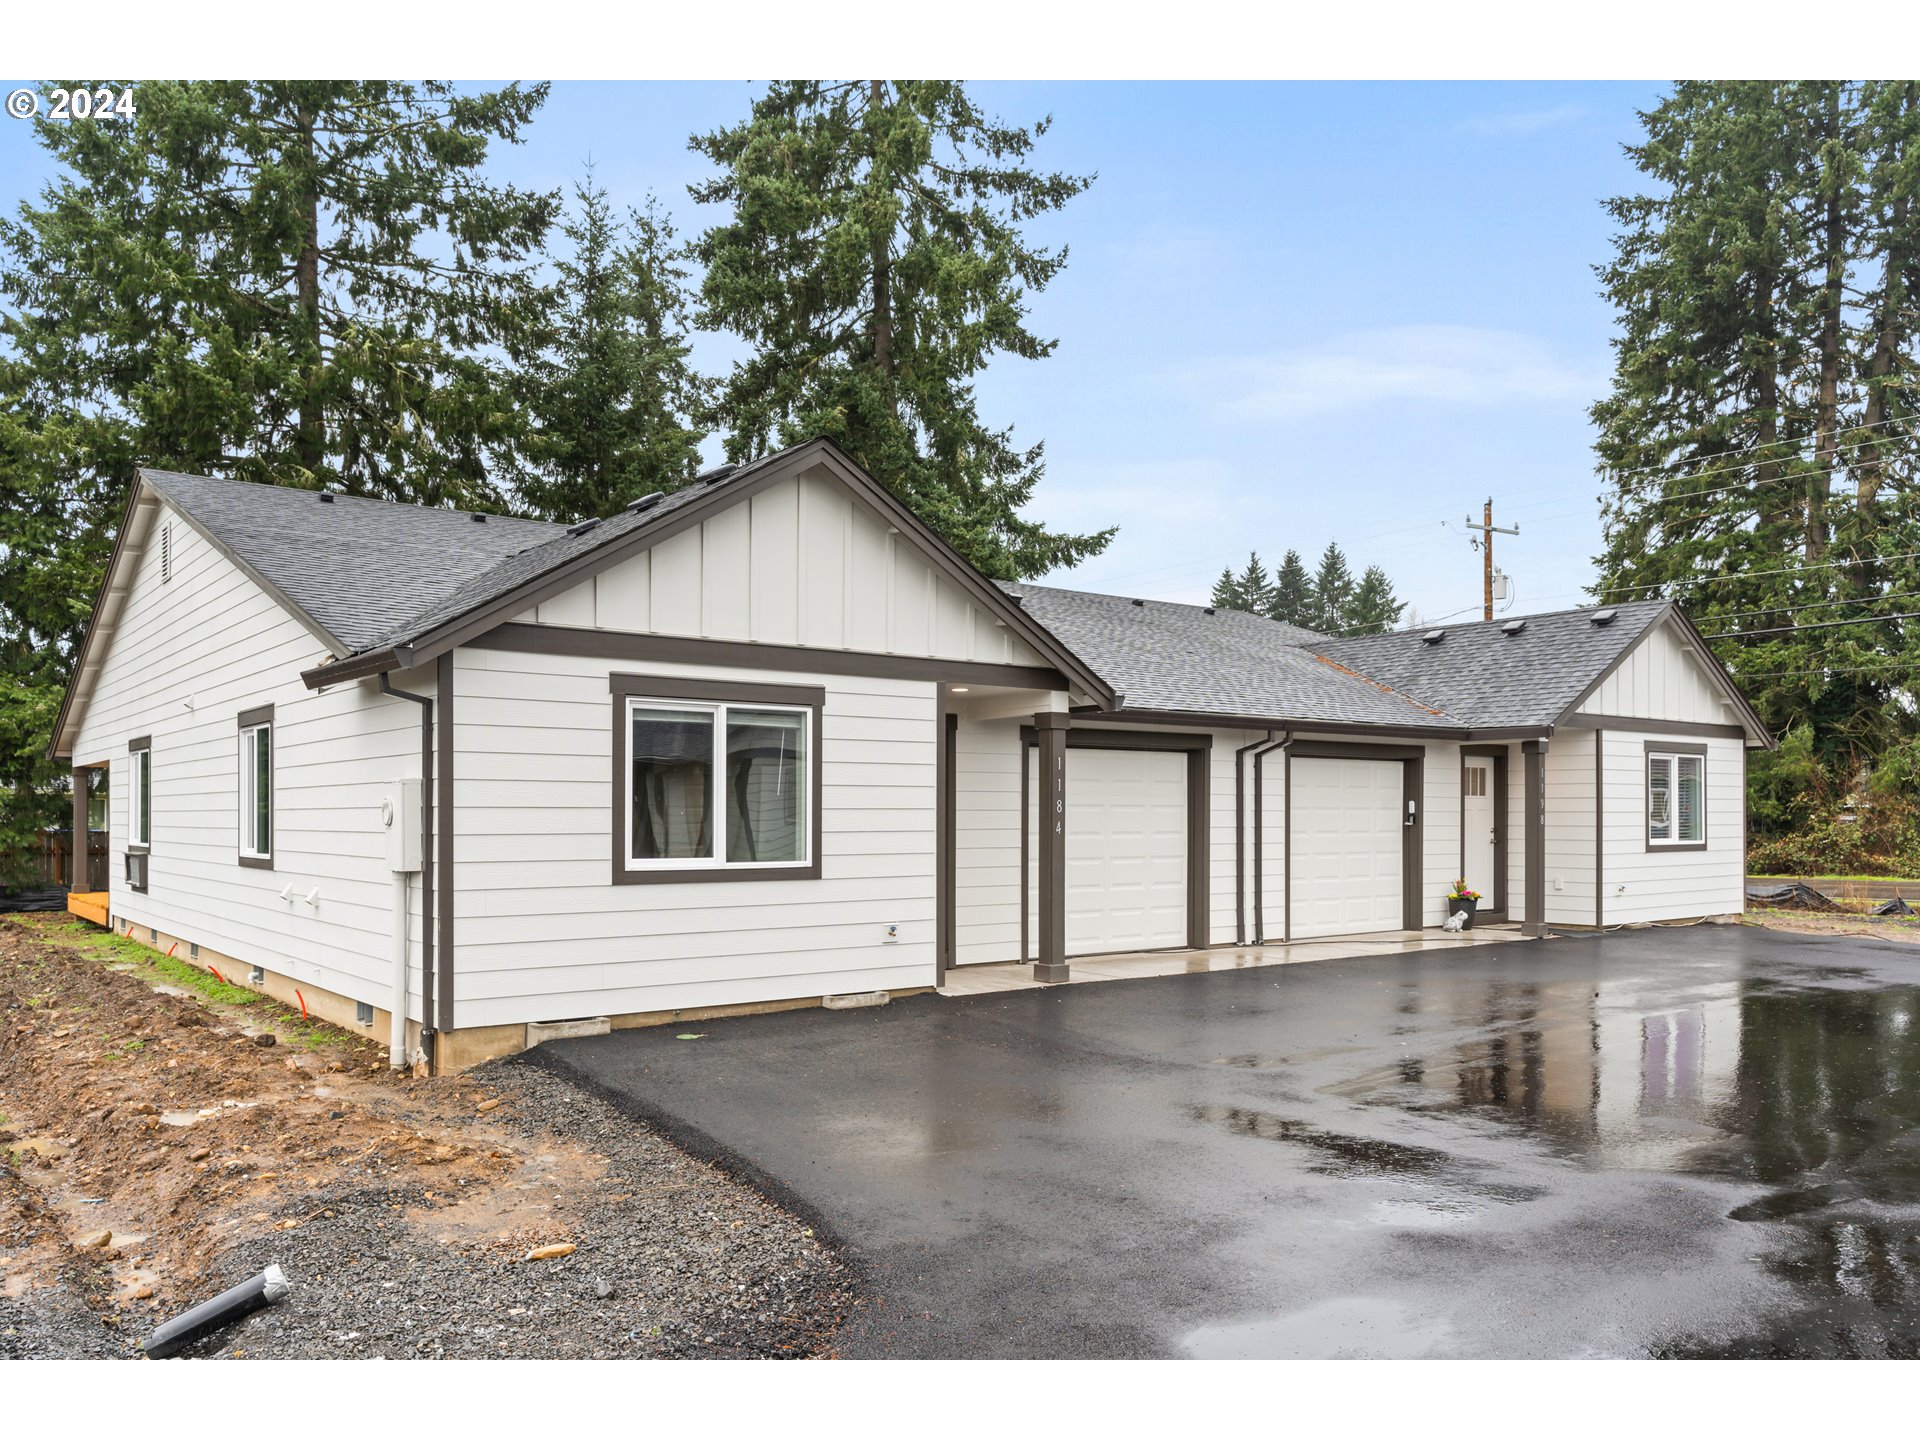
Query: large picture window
(256, 788)
(715, 780)
(1676, 798)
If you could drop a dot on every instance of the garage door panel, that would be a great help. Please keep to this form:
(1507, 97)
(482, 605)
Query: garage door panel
(1126, 878)
(1347, 846)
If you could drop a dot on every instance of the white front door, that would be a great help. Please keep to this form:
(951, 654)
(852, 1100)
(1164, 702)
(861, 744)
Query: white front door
(1126, 850)
(1347, 822)
(1477, 816)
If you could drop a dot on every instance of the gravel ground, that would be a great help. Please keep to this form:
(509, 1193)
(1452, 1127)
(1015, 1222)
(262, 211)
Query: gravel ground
(675, 1259)
(158, 1146)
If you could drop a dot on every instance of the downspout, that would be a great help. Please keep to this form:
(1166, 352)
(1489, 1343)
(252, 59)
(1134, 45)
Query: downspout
(397, 1049)
(1240, 837)
(1267, 747)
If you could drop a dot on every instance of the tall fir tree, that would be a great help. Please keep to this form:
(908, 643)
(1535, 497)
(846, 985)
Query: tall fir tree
(1293, 592)
(613, 399)
(872, 259)
(1332, 591)
(309, 283)
(1251, 590)
(1764, 320)
(1373, 610)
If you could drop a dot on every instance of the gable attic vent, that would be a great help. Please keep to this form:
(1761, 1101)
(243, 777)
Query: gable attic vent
(1433, 637)
(1602, 617)
(1513, 627)
(166, 552)
(583, 527)
(646, 502)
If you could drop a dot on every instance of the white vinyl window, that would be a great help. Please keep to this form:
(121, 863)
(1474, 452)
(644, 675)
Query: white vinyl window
(718, 786)
(256, 791)
(140, 798)
(1676, 798)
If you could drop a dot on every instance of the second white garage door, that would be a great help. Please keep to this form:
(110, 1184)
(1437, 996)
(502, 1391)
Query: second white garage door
(1126, 850)
(1347, 818)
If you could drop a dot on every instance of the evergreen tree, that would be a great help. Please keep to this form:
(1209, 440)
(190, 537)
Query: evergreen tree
(300, 282)
(611, 394)
(1292, 592)
(1763, 290)
(1332, 592)
(873, 262)
(1373, 609)
(1250, 590)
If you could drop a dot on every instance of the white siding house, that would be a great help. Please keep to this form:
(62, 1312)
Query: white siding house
(768, 740)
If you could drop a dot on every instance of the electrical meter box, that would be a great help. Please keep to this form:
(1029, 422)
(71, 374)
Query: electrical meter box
(400, 817)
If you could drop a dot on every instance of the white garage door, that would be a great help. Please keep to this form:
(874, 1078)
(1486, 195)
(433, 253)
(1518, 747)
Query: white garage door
(1347, 825)
(1126, 850)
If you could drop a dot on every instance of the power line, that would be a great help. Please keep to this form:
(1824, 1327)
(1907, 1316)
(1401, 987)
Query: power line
(1757, 574)
(1835, 670)
(1798, 606)
(1817, 625)
(1769, 445)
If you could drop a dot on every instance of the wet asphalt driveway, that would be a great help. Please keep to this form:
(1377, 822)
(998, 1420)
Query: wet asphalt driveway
(1698, 1141)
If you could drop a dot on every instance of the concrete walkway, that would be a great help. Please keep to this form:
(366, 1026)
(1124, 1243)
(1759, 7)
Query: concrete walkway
(1018, 974)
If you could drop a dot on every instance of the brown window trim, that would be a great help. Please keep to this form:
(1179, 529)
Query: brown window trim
(1670, 847)
(140, 847)
(263, 715)
(812, 698)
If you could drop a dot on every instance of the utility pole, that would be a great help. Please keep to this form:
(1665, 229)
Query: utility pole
(1489, 529)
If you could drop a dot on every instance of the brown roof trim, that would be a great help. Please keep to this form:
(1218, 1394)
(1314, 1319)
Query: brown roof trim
(1325, 727)
(576, 641)
(88, 635)
(358, 667)
(464, 629)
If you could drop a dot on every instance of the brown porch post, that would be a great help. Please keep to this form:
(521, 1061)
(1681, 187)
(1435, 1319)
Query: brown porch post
(1535, 754)
(78, 869)
(1050, 966)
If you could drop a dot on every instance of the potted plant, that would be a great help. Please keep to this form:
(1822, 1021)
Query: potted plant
(1462, 901)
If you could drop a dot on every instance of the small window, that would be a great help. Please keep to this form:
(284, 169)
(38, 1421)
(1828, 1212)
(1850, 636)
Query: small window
(140, 793)
(256, 788)
(1676, 798)
(715, 788)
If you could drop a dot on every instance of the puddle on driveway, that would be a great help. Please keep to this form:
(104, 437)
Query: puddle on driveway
(1811, 1095)
(1353, 1327)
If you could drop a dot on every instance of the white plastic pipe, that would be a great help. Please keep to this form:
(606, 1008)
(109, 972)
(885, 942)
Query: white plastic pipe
(397, 1047)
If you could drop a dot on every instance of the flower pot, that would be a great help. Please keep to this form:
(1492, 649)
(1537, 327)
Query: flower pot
(1456, 906)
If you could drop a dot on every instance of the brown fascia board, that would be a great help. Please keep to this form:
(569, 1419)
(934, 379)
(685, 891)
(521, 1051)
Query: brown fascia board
(1674, 614)
(462, 629)
(1316, 727)
(89, 635)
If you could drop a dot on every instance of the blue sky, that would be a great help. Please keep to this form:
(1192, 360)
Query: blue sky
(1292, 312)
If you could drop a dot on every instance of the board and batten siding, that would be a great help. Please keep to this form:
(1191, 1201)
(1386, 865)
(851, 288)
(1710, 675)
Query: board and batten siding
(186, 657)
(803, 562)
(543, 933)
(1668, 884)
(1661, 679)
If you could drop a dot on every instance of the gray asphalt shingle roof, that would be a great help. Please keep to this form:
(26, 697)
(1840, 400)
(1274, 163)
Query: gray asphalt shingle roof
(359, 568)
(1485, 677)
(375, 574)
(1163, 656)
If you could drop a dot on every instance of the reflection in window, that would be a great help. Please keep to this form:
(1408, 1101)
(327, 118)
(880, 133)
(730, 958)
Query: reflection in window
(672, 784)
(765, 786)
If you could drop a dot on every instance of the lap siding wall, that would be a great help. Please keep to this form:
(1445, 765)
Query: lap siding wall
(210, 636)
(1672, 884)
(543, 934)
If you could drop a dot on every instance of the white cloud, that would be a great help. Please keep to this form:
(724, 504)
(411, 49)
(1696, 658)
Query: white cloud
(1522, 122)
(1442, 364)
